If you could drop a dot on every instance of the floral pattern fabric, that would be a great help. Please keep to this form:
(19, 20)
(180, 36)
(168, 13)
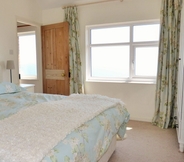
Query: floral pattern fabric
(87, 143)
(71, 16)
(166, 87)
(7, 87)
(12, 103)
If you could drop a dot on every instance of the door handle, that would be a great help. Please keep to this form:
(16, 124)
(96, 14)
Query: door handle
(63, 74)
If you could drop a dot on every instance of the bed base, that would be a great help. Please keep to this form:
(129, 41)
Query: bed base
(111, 149)
(109, 152)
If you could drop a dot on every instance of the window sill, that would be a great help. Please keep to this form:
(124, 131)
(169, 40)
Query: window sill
(124, 81)
(33, 79)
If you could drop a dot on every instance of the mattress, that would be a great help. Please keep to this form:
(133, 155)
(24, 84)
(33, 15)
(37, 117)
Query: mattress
(89, 142)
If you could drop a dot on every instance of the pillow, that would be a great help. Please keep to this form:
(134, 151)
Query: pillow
(6, 87)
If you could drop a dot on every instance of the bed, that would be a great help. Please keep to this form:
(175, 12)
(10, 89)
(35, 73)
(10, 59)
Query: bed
(39, 127)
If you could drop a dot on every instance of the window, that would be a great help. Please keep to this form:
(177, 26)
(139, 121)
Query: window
(27, 55)
(123, 52)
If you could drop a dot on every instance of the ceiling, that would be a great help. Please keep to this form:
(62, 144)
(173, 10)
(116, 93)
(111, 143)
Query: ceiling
(48, 4)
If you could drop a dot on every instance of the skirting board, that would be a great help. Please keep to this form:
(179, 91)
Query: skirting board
(141, 119)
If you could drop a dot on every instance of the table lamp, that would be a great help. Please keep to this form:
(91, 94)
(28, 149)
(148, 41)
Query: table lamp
(10, 65)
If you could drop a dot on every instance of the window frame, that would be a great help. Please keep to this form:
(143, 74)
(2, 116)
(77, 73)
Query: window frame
(24, 33)
(132, 77)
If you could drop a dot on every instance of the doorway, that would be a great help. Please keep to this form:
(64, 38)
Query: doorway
(29, 55)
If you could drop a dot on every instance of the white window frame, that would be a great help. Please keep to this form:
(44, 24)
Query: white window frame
(32, 32)
(132, 78)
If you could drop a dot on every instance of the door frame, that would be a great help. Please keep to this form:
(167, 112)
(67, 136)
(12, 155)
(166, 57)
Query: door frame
(37, 82)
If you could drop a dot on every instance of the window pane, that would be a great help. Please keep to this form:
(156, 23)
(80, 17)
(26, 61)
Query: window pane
(146, 33)
(110, 35)
(27, 56)
(146, 60)
(110, 61)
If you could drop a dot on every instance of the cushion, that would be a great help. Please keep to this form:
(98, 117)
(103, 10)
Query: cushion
(6, 87)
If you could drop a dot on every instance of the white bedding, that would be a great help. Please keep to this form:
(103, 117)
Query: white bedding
(23, 145)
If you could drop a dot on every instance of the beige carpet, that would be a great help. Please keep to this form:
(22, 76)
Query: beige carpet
(148, 143)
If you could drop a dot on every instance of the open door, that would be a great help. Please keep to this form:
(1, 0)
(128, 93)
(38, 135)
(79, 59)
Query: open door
(55, 58)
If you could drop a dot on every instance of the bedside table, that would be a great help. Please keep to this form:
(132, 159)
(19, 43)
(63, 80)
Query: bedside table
(28, 87)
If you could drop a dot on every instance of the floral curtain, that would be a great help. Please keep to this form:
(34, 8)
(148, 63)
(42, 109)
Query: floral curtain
(166, 87)
(71, 15)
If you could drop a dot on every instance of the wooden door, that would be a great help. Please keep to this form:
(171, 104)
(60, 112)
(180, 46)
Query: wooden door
(55, 58)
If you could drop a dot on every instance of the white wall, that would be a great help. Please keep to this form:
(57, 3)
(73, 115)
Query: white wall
(139, 98)
(10, 12)
(52, 16)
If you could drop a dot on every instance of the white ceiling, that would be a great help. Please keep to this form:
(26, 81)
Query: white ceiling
(48, 4)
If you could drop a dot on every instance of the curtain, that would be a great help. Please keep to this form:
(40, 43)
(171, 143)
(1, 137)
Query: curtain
(71, 15)
(166, 87)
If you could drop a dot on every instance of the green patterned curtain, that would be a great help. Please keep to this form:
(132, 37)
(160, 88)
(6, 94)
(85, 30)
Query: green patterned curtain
(166, 87)
(71, 16)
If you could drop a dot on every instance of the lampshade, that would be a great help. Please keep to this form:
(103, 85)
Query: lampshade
(10, 64)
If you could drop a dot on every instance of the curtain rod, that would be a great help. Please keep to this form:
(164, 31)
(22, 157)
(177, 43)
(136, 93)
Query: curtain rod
(90, 3)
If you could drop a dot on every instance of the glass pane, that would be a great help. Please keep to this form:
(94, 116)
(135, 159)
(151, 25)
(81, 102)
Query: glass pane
(110, 61)
(146, 60)
(110, 35)
(27, 56)
(146, 33)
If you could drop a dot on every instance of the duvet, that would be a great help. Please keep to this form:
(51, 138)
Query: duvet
(86, 141)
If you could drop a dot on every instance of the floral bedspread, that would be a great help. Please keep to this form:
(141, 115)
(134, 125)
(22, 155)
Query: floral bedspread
(87, 143)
